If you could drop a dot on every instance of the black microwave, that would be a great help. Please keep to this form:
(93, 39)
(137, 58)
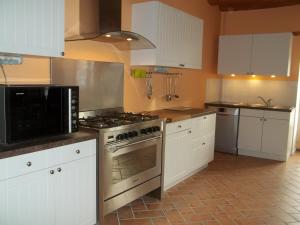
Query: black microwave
(30, 112)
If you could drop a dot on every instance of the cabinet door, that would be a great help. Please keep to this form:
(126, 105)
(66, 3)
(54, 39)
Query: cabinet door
(191, 43)
(169, 36)
(177, 148)
(271, 54)
(76, 193)
(33, 27)
(234, 54)
(250, 133)
(275, 136)
(28, 199)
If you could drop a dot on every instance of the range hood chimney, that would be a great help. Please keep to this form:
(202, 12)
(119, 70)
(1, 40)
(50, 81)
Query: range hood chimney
(100, 20)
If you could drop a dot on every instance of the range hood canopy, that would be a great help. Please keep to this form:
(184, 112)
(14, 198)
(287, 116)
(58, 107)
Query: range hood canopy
(100, 20)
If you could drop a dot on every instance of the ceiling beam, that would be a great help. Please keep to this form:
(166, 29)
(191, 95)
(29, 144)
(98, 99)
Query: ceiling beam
(237, 5)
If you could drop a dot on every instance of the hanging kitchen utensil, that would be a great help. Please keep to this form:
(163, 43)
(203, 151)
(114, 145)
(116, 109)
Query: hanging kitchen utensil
(149, 87)
(175, 84)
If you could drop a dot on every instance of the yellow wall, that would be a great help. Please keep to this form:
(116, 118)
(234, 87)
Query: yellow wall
(191, 86)
(283, 19)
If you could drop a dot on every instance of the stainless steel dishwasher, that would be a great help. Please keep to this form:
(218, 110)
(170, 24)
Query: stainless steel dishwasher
(226, 129)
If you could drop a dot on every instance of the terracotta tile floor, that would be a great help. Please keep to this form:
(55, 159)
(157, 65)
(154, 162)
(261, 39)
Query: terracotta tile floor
(230, 192)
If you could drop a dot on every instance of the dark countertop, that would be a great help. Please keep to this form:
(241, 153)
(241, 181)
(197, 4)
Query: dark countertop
(250, 106)
(173, 116)
(43, 144)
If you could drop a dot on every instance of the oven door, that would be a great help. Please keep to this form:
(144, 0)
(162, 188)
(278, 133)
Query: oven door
(129, 165)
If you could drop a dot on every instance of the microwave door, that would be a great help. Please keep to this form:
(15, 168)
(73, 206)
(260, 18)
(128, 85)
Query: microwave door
(25, 113)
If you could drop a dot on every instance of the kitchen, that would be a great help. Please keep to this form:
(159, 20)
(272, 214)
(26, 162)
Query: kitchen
(195, 87)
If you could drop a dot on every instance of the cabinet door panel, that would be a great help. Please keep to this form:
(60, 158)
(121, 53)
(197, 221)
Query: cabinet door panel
(34, 27)
(168, 36)
(250, 133)
(28, 199)
(275, 136)
(234, 54)
(177, 148)
(271, 54)
(192, 42)
(76, 193)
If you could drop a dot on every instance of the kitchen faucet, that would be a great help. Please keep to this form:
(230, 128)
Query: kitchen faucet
(267, 102)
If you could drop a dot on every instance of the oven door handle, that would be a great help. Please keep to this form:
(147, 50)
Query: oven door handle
(117, 148)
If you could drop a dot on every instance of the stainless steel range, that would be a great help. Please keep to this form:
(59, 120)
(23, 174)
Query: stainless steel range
(132, 151)
(130, 145)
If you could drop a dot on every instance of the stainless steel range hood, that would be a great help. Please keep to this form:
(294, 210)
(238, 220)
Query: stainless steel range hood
(100, 20)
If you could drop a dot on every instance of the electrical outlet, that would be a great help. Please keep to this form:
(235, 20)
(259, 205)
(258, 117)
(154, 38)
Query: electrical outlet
(10, 60)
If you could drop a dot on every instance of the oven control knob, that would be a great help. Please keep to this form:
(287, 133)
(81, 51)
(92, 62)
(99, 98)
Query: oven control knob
(120, 137)
(149, 130)
(157, 128)
(143, 131)
(130, 134)
(126, 135)
(135, 133)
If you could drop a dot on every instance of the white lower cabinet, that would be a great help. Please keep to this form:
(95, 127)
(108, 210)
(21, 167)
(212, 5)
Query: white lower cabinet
(250, 133)
(76, 193)
(189, 146)
(62, 194)
(176, 147)
(266, 134)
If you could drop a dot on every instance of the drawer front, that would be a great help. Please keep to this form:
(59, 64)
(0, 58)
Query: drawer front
(277, 115)
(178, 126)
(26, 163)
(71, 152)
(252, 112)
(3, 169)
(203, 125)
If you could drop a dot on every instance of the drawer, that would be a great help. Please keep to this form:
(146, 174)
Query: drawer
(3, 169)
(277, 115)
(204, 125)
(178, 126)
(26, 163)
(71, 152)
(252, 112)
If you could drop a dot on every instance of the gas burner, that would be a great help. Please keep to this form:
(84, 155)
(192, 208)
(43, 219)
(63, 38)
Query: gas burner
(114, 120)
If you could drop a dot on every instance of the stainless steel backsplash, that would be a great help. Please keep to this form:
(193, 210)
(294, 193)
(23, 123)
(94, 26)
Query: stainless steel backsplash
(101, 84)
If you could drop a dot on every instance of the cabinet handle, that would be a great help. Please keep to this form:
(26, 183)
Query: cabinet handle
(204, 118)
(29, 164)
(182, 65)
(179, 126)
(203, 143)
(190, 131)
(51, 171)
(78, 151)
(59, 169)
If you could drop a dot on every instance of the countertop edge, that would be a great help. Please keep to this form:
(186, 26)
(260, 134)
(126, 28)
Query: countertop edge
(7, 151)
(251, 107)
(170, 116)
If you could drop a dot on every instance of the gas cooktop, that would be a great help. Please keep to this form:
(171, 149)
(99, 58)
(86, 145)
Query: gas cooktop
(114, 120)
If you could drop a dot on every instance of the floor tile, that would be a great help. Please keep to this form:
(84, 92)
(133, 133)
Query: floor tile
(230, 191)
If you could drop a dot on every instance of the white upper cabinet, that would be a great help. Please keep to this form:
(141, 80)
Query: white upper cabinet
(32, 27)
(262, 54)
(176, 35)
(234, 54)
(271, 53)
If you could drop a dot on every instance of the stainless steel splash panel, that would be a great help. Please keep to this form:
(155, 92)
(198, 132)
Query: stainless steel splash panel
(101, 84)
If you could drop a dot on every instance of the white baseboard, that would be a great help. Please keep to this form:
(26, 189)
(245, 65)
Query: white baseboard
(263, 155)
